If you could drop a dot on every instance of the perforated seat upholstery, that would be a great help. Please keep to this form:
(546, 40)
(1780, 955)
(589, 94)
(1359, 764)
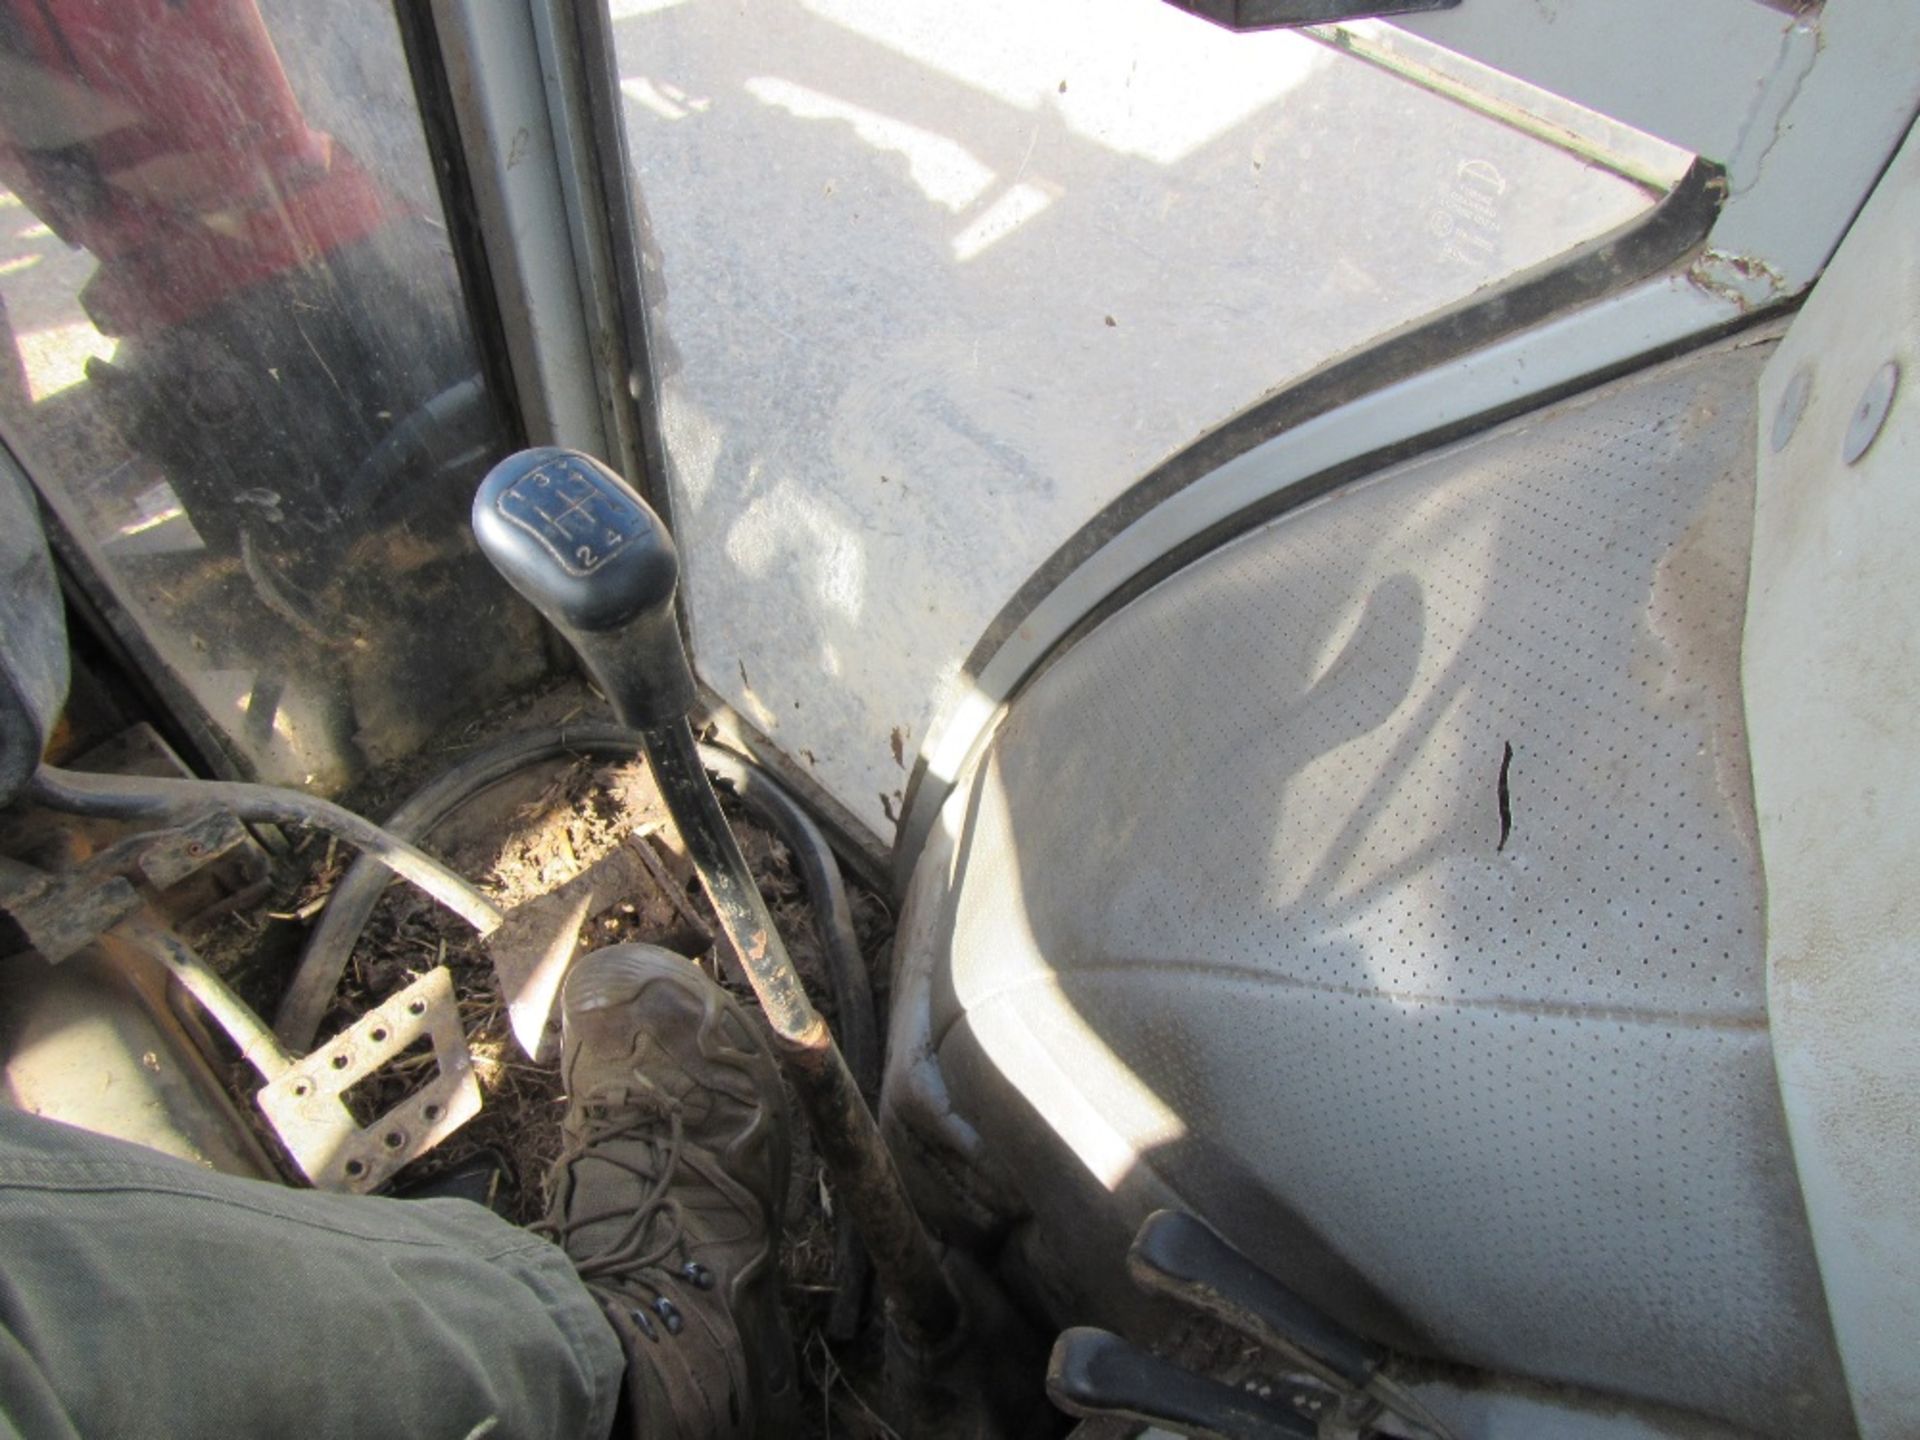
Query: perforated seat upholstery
(1384, 886)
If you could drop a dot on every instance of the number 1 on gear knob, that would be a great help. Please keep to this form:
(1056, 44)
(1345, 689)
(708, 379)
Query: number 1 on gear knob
(587, 552)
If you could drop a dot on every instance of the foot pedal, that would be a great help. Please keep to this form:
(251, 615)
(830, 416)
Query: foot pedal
(1183, 1258)
(1094, 1373)
(306, 1105)
(306, 1100)
(484, 1178)
(1180, 1256)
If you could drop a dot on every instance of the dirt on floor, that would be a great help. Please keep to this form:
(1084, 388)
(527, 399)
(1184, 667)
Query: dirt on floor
(523, 839)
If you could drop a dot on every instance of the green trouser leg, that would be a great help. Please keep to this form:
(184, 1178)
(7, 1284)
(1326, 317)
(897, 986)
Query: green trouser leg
(142, 1296)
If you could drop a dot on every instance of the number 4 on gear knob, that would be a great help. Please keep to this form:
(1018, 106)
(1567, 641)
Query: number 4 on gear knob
(589, 554)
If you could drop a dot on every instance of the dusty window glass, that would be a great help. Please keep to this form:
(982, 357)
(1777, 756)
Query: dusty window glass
(936, 282)
(235, 361)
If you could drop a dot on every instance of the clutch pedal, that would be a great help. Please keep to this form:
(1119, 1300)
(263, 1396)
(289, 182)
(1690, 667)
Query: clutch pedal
(1179, 1256)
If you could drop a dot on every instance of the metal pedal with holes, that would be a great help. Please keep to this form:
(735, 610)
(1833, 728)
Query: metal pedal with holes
(305, 1100)
(307, 1105)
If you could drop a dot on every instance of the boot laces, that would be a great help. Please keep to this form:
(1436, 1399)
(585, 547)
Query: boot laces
(629, 1262)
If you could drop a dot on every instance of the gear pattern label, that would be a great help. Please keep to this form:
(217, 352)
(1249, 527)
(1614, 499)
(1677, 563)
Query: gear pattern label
(579, 519)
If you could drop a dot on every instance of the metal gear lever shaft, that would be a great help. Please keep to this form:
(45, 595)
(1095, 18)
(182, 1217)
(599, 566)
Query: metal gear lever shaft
(576, 541)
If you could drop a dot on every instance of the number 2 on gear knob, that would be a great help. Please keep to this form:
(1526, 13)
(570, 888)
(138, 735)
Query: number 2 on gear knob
(588, 553)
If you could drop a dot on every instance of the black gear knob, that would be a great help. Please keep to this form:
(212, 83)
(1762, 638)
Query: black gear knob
(576, 541)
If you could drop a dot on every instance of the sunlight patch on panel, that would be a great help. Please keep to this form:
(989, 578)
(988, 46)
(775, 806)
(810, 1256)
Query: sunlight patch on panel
(55, 356)
(1159, 85)
(693, 440)
(944, 170)
(786, 527)
(626, 9)
(663, 98)
(1019, 204)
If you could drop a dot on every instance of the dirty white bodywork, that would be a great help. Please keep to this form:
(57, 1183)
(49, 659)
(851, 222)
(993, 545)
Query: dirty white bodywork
(932, 289)
(1833, 700)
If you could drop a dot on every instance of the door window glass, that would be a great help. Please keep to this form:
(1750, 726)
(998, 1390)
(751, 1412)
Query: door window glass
(234, 359)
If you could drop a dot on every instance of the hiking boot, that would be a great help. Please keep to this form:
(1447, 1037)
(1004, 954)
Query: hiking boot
(667, 1195)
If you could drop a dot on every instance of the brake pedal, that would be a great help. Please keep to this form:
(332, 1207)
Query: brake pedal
(1180, 1256)
(1096, 1374)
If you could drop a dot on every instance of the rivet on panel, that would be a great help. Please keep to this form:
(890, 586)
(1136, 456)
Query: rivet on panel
(1793, 404)
(1871, 413)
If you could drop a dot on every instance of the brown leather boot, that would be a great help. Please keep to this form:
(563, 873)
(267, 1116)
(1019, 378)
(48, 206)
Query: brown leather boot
(667, 1197)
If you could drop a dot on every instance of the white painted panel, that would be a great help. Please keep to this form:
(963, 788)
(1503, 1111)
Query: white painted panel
(936, 283)
(1832, 677)
(1690, 73)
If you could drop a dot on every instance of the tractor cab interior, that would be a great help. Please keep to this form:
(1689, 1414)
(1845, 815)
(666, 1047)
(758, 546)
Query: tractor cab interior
(1272, 639)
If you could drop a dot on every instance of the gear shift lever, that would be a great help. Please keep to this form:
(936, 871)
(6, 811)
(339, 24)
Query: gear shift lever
(575, 540)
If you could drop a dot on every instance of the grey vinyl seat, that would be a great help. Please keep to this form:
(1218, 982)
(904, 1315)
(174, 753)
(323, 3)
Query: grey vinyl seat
(1384, 887)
